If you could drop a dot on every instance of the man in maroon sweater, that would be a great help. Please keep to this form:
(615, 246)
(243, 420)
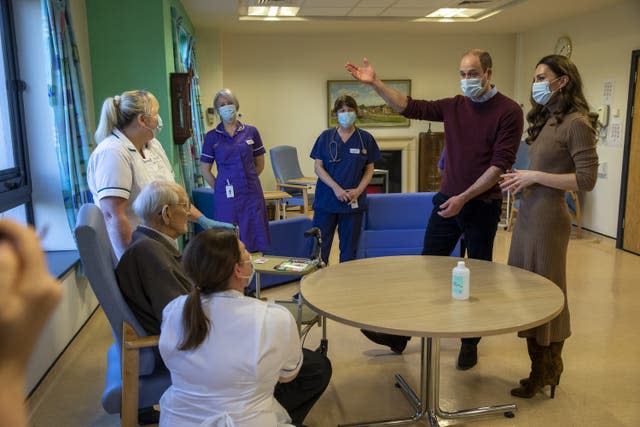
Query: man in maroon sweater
(483, 129)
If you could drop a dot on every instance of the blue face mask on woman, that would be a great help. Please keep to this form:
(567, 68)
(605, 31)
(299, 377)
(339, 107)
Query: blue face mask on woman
(472, 88)
(346, 118)
(541, 93)
(227, 112)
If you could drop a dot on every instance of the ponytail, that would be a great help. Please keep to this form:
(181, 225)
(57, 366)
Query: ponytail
(209, 261)
(196, 323)
(108, 118)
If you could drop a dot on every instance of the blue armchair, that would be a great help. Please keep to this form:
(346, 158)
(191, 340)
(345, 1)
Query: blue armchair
(135, 377)
(394, 224)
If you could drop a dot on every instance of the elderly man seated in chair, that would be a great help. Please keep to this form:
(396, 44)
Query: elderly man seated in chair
(150, 272)
(150, 275)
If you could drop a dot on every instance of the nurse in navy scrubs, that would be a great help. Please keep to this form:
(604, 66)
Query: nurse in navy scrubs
(344, 159)
(238, 152)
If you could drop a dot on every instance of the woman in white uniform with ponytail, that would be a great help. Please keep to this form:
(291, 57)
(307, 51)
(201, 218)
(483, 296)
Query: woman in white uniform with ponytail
(127, 158)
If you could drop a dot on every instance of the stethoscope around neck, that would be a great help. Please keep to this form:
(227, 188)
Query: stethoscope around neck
(333, 146)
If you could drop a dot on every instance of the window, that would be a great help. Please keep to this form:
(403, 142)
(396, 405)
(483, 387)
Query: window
(15, 185)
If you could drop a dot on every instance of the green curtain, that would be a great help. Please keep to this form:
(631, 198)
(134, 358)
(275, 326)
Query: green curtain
(185, 59)
(67, 98)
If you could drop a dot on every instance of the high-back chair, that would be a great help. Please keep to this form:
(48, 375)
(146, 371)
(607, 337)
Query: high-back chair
(135, 376)
(513, 201)
(573, 204)
(284, 161)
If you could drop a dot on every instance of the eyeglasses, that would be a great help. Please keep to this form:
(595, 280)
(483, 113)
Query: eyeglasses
(185, 205)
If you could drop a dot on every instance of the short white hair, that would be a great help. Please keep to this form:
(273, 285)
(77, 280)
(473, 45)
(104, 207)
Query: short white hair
(225, 93)
(154, 196)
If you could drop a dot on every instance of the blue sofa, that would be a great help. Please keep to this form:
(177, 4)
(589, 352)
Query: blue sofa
(394, 224)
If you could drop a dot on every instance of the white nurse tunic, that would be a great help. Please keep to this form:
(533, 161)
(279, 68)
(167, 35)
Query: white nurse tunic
(116, 168)
(230, 378)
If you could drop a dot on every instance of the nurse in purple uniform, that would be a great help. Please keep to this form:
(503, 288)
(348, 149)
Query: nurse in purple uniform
(237, 150)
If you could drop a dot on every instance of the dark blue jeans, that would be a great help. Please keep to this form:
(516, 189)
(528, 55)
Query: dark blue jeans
(477, 221)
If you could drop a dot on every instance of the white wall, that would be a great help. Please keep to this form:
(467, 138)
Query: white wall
(281, 79)
(602, 46)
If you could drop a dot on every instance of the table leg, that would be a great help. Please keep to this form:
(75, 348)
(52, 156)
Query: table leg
(257, 284)
(434, 390)
(428, 404)
(277, 209)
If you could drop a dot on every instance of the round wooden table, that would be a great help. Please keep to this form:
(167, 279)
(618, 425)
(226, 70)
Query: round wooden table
(411, 295)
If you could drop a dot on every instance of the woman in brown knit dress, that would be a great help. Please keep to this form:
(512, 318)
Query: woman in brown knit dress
(562, 138)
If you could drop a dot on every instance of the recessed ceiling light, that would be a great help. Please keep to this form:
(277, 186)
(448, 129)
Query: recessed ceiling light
(455, 13)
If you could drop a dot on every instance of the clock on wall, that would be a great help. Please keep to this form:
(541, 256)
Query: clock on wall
(564, 46)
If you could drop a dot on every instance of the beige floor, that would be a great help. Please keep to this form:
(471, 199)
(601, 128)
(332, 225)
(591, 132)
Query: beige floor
(600, 385)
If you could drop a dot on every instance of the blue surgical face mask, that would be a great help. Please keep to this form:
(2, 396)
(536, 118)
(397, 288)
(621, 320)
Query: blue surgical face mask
(471, 88)
(541, 93)
(227, 112)
(346, 118)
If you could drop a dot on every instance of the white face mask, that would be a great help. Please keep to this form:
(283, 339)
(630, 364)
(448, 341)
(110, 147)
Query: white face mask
(156, 130)
(251, 276)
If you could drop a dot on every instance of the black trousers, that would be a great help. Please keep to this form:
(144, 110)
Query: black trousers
(299, 395)
(477, 220)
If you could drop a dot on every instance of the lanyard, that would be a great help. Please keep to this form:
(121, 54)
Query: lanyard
(333, 145)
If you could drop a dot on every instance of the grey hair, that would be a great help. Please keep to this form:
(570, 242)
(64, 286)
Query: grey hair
(120, 110)
(154, 196)
(225, 93)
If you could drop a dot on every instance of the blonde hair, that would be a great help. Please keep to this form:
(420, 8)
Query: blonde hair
(120, 110)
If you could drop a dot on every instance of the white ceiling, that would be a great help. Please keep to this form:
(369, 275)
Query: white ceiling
(385, 15)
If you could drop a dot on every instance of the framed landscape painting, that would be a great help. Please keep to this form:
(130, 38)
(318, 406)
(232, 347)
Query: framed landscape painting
(373, 111)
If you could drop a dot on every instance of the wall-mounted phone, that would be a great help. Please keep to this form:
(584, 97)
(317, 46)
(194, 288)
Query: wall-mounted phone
(211, 116)
(603, 115)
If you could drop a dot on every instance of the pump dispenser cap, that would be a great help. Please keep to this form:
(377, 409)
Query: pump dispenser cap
(460, 263)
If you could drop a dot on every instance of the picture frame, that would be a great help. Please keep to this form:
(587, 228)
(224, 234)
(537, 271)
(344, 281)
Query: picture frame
(373, 111)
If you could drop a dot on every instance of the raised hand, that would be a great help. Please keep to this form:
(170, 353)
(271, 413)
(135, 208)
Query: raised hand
(27, 290)
(365, 74)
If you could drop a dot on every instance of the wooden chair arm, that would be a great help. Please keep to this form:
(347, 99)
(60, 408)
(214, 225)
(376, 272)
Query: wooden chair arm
(141, 342)
(294, 186)
(131, 345)
(305, 194)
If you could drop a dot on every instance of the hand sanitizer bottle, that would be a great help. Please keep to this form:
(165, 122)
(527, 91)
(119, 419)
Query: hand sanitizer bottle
(460, 281)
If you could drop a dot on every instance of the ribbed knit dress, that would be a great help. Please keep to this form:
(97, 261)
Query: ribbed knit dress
(541, 235)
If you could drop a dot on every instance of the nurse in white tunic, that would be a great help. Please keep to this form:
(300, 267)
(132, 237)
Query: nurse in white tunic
(127, 158)
(226, 352)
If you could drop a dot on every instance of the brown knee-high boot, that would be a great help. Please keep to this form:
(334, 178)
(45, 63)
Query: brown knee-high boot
(553, 374)
(556, 366)
(540, 368)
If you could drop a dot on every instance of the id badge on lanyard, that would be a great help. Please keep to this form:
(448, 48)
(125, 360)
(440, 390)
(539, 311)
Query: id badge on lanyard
(229, 190)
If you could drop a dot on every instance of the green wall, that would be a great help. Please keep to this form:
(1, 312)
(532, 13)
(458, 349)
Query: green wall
(131, 47)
